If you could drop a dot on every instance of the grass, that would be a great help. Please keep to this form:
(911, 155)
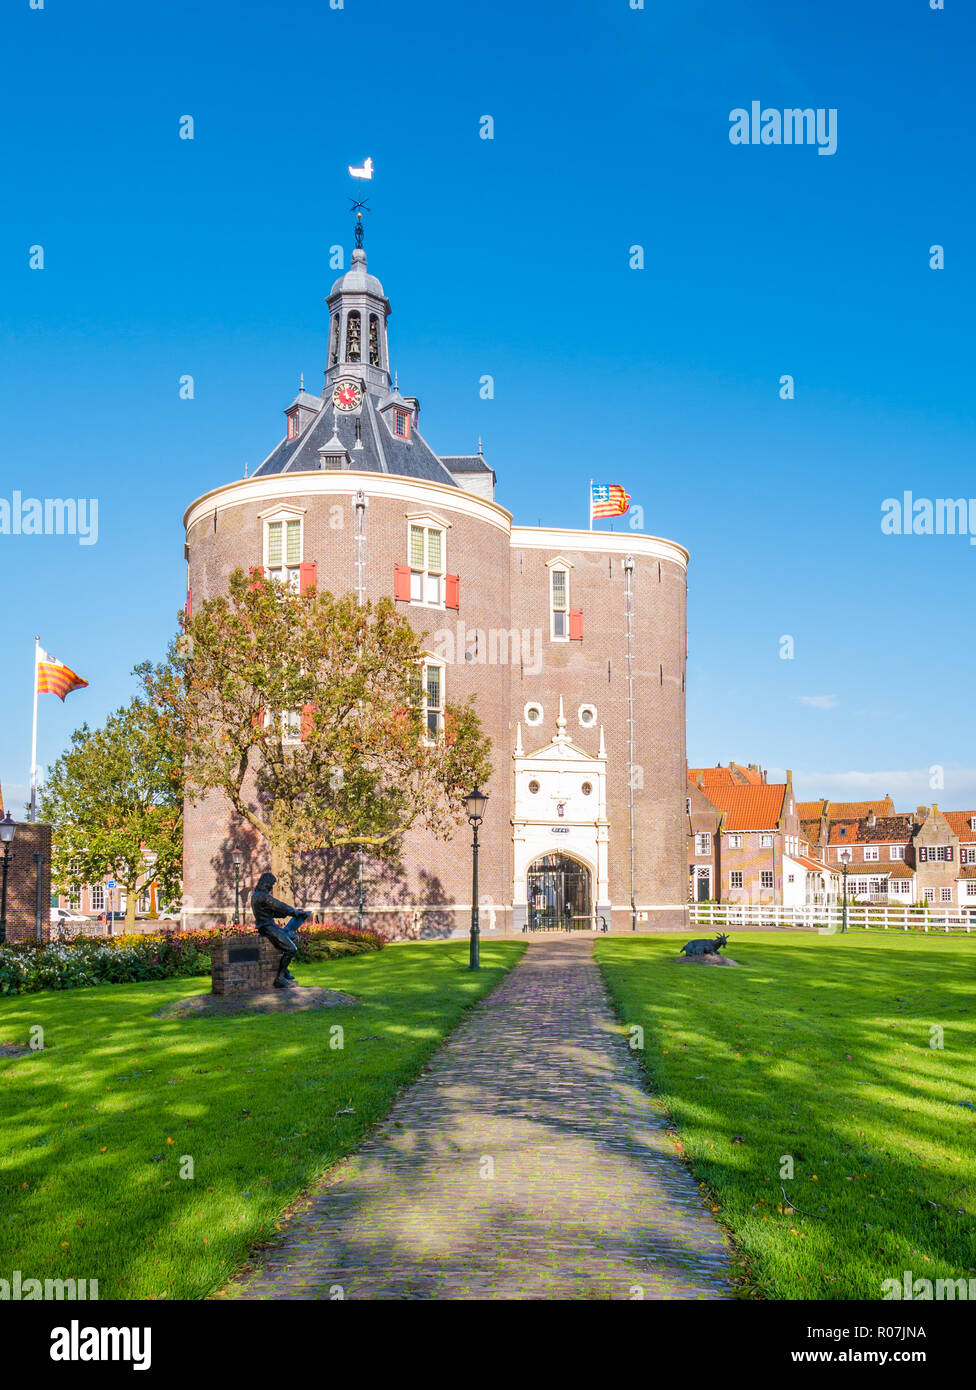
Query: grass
(93, 1129)
(818, 1049)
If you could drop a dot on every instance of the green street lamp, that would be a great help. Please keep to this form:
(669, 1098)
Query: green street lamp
(845, 859)
(8, 830)
(476, 803)
(238, 859)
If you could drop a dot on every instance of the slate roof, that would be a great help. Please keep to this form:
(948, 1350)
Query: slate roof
(466, 463)
(381, 452)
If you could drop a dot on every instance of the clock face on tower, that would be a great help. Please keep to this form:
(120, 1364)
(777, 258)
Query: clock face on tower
(347, 395)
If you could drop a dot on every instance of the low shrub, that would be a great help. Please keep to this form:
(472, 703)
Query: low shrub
(90, 960)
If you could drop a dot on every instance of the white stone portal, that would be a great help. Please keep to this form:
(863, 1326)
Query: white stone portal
(561, 808)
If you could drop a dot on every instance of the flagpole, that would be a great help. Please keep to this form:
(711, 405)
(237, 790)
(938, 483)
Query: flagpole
(33, 793)
(591, 504)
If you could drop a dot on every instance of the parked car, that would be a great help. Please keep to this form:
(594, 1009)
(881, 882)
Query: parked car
(60, 915)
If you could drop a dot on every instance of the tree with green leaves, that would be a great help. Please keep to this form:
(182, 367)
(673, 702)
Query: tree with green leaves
(307, 712)
(114, 801)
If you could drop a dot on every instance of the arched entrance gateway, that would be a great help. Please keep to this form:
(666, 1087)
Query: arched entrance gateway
(559, 894)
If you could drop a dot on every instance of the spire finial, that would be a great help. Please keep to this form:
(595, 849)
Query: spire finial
(359, 205)
(301, 381)
(396, 380)
(481, 452)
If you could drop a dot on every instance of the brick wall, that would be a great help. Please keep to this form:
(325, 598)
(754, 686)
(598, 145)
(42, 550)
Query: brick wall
(22, 876)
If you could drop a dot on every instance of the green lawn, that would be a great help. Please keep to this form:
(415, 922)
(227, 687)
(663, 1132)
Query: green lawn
(93, 1128)
(819, 1048)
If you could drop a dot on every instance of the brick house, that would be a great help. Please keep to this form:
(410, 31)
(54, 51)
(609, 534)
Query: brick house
(28, 881)
(542, 626)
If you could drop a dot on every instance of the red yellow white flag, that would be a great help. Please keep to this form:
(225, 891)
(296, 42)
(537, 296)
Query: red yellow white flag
(54, 678)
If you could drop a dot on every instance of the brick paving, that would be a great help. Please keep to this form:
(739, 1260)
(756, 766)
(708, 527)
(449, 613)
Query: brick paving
(586, 1199)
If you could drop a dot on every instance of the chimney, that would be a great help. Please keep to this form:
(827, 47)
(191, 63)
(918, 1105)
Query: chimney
(872, 818)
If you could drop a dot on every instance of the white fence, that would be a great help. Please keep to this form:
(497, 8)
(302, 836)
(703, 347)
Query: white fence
(829, 919)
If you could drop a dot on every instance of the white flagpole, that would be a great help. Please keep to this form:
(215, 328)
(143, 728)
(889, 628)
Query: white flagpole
(33, 794)
(591, 504)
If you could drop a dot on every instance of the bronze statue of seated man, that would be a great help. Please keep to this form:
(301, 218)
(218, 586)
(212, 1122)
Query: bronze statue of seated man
(266, 908)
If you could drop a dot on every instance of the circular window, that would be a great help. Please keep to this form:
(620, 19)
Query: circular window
(587, 716)
(533, 714)
(534, 788)
(587, 788)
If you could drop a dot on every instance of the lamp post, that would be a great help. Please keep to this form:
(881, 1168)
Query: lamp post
(238, 859)
(7, 832)
(845, 859)
(476, 803)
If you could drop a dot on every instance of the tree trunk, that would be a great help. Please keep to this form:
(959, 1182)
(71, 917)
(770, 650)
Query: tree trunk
(130, 908)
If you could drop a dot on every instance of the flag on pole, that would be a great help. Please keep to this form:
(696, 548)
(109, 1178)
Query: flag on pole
(54, 678)
(608, 499)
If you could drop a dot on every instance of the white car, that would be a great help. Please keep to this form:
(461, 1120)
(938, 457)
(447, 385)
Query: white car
(61, 914)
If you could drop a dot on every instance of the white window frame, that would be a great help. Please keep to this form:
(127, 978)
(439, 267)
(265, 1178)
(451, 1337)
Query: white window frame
(96, 897)
(427, 663)
(735, 840)
(872, 854)
(971, 887)
(945, 895)
(554, 636)
(590, 711)
(733, 875)
(528, 711)
(703, 842)
(428, 585)
(766, 840)
(897, 852)
(287, 572)
(767, 887)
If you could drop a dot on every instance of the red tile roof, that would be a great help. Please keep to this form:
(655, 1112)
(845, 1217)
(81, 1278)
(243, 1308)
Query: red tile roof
(750, 808)
(735, 775)
(856, 810)
(959, 820)
(810, 810)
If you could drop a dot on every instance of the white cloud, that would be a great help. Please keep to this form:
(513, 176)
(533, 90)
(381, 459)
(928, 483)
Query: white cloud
(819, 701)
(908, 787)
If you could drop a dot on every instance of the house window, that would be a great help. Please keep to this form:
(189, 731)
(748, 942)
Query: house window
(401, 424)
(534, 787)
(427, 561)
(559, 605)
(766, 842)
(428, 696)
(896, 852)
(766, 878)
(74, 899)
(871, 854)
(929, 895)
(703, 843)
(283, 551)
(587, 716)
(899, 885)
(971, 888)
(946, 894)
(967, 856)
(735, 878)
(97, 897)
(735, 842)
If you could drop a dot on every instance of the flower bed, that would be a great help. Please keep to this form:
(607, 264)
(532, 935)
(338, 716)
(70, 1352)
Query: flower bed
(124, 959)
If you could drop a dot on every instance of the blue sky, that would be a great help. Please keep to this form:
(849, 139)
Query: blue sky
(511, 257)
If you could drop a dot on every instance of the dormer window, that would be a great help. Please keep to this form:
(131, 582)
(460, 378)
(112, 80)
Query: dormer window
(401, 423)
(294, 424)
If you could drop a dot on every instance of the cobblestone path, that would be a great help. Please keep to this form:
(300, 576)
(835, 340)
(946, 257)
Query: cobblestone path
(526, 1162)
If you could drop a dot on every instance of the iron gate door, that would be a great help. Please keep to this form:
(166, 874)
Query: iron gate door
(559, 894)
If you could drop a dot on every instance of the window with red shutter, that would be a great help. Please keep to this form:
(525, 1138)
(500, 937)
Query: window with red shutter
(576, 624)
(308, 575)
(452, 591)
(257, 575)
(188, 610)
(401, 582)
(308, 717)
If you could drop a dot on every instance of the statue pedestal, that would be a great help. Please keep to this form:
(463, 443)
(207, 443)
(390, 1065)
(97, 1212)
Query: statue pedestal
(243, 965)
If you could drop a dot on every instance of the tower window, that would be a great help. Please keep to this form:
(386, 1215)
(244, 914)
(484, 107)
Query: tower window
(401, 423)
(428, 697)
(353, 337)
(283, 551)
(427, 565)
(334, 353)
(559, 604)
(374, 340)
